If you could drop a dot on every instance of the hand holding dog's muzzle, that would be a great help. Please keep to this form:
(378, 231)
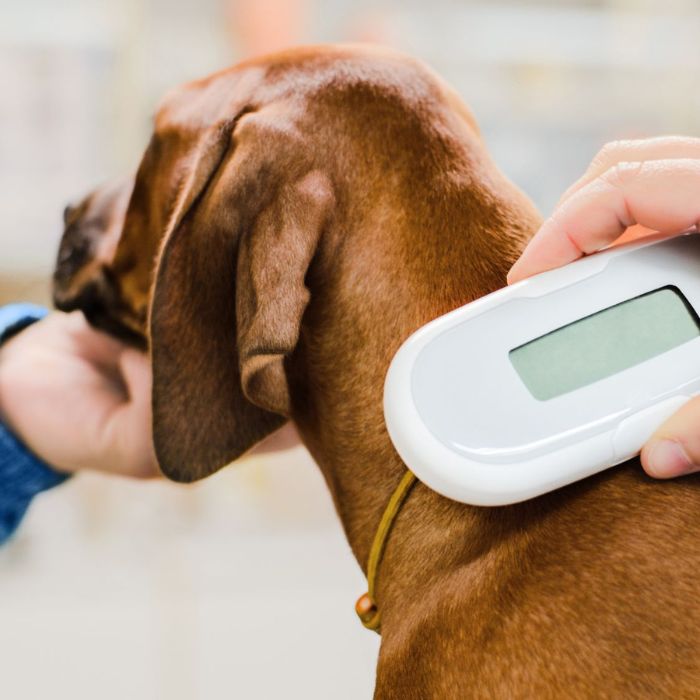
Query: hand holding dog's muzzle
(78, 398)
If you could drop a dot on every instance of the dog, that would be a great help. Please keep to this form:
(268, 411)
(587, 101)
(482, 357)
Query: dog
(292, 221)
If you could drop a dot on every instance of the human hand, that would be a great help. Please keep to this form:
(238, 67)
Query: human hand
(284, 438)
(77, 398)
(652, 183)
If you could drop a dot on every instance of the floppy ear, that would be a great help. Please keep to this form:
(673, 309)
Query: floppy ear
(228, 301)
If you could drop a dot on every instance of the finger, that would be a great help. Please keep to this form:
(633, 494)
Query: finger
(126, 442)
(135, 369)
(635, 150)
(133, 421)
(661, 195)
(674, 449)
(95, 346)
(285, 438)
(70, 334)
(634, 233)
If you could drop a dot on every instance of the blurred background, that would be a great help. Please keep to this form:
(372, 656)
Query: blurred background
(243, 586)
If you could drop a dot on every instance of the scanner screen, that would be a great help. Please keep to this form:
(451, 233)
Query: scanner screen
(605, 343)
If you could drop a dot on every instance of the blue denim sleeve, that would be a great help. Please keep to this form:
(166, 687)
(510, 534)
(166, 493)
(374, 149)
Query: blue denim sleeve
(22, 474)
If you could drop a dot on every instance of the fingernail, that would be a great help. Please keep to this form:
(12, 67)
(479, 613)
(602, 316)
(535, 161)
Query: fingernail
(667, 459)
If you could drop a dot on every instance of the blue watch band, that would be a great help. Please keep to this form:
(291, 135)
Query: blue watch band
(22, 474)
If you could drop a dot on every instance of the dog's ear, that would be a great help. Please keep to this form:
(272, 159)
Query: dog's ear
(228, 299)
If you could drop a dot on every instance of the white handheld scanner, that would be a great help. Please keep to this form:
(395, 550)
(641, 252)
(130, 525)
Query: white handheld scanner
(552, 379)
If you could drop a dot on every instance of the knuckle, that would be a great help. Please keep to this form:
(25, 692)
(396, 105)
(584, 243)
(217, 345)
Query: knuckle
(622, 173)
(607, 154)
(613, 152)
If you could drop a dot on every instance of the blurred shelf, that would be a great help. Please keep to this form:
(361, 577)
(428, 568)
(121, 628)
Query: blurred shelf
(532, 35)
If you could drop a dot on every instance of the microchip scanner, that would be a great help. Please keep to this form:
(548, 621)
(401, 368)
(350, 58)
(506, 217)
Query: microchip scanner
(552, 379)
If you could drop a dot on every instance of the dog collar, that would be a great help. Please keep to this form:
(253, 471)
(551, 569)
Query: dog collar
(366, 606)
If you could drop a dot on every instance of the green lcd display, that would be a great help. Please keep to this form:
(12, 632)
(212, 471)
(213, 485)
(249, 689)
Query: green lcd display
(605, 343)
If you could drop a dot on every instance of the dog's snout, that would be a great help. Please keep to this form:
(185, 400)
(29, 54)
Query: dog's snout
(73, 253)
(83, 278)
(90, 298)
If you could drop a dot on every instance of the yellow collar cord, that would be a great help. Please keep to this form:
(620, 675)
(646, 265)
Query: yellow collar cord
(366, 606)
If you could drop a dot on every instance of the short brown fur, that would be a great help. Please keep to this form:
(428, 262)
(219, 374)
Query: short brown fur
(307, 211)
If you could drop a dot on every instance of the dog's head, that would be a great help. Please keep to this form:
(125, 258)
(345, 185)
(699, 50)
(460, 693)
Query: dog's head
(208, 267)
(220, 238)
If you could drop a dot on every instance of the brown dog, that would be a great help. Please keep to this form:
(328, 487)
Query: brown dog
(293, 220)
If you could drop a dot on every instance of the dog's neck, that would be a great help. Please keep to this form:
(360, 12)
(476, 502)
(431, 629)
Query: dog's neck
(371, 302)
(480, 597)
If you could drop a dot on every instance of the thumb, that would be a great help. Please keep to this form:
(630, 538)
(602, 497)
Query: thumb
(674, 449)
(129, 428)
(135, 369)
